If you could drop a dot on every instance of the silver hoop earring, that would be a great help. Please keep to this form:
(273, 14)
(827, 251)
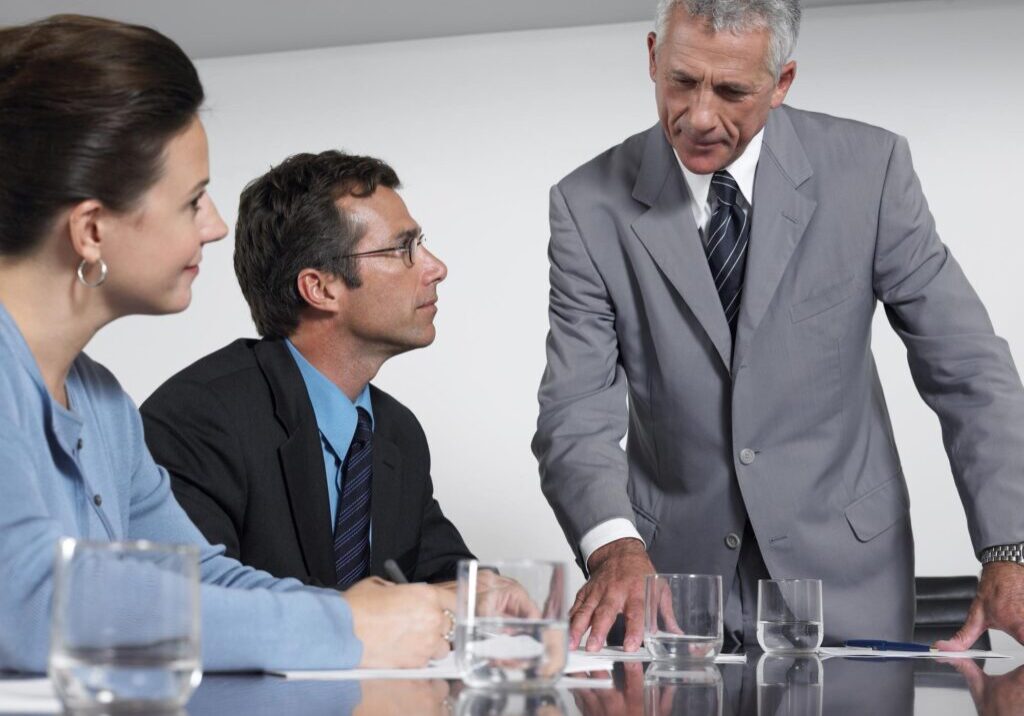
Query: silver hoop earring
(103, 273)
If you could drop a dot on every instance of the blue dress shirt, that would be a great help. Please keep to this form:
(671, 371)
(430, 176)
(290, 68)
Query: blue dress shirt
(86, 473)
(336, 419)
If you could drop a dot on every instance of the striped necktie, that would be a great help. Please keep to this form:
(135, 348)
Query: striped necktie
(352, 525)
(726, 247)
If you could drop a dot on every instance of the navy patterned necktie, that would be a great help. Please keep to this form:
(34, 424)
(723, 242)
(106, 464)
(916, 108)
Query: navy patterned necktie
(352, 524)
(726, 247)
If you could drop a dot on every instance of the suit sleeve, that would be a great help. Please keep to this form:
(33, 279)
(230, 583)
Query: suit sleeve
(964, 372)
(189, 432)
(582, 395)
(440, 544)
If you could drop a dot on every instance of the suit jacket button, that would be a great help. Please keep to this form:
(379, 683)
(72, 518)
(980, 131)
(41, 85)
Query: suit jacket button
(747, 456)
(732, 540)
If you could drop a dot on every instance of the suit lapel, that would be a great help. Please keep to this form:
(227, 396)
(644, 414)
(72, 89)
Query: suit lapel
(302, 461)
(780, 217)
(668, 232)
(385, 500)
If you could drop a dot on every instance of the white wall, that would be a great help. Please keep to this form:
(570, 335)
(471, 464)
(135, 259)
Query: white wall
(479, 127)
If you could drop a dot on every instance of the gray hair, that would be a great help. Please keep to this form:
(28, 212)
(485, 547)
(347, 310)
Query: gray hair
(780, 17)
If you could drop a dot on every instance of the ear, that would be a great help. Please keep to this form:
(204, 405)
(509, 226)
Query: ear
(786, 78)
(318, 289)
(84, 229)
(652, 41)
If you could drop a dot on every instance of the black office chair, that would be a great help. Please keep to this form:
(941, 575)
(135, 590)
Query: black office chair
(942, 604)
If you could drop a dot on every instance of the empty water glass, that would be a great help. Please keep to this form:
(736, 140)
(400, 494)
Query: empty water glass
(789, 615)
(683, 616)
(511, 628)
(124, 632)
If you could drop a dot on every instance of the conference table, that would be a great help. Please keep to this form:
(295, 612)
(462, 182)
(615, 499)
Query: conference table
(762, 686)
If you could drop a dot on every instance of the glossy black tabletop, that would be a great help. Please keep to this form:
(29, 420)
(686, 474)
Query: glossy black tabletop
(765, 685)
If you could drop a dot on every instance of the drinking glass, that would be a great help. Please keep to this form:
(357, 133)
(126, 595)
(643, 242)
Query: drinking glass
(683, 616)
(789, 685)
(789, 615)
(511, 628)
(124, 632)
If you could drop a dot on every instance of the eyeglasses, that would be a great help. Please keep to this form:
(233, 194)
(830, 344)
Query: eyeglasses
(408, 248)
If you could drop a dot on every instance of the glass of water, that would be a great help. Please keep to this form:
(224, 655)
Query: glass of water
(683, 616)
(124, 632)
(511, 628)
(789, 615)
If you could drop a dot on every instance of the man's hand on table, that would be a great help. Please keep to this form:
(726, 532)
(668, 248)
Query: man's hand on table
(616, 586)
(999, 605)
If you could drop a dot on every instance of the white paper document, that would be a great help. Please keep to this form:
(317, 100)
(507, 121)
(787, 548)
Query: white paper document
(442, 669)
(28, 696)
(617, 653)
(860, 652)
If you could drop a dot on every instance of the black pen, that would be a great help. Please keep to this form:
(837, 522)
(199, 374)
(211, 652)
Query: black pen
(395, 572)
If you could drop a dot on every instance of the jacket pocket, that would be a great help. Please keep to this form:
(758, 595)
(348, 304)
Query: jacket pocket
(822, 301)
(877, 511)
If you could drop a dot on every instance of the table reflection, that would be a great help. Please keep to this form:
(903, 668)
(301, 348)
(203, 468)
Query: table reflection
(694, 689)
(766, 685)
(1000, 695)
(273, 696)
(789, 685)
(771, 685)
(492, 702)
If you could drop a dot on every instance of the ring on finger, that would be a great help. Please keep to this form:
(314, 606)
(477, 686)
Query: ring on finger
(450, 634)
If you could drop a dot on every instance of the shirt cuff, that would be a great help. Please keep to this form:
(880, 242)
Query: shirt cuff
(606, 533)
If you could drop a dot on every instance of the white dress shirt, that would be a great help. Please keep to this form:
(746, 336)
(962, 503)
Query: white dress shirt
(742, 169)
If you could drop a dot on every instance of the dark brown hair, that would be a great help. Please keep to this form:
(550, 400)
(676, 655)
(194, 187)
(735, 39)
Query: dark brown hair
(288, 221)
(86, 108)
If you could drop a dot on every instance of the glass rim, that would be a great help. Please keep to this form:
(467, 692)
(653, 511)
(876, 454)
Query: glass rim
(682, 575)
(139, 545)
(790, 580)
(514, 563)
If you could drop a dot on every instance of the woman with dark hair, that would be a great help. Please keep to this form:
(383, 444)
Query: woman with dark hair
(103, 214)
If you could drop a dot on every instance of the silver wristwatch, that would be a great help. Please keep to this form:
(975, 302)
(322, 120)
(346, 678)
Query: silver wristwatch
(1003, 553)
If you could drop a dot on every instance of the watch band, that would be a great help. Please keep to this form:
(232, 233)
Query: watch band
(1003, 553)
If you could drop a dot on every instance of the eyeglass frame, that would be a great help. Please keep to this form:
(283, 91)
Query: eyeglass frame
(407, 247)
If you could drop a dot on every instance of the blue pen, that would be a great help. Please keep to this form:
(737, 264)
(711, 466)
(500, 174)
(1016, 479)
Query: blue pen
(882, 645)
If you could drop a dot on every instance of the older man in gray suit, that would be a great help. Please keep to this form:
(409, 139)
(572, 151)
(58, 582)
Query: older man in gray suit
(720, 271)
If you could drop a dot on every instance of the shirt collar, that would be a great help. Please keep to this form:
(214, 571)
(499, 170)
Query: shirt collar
(742, 170)
(335, 413)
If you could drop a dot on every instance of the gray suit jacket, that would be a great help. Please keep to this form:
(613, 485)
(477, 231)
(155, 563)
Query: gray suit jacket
(789, 427)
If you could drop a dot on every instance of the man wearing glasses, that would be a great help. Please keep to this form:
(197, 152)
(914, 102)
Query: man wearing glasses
(279, 448)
